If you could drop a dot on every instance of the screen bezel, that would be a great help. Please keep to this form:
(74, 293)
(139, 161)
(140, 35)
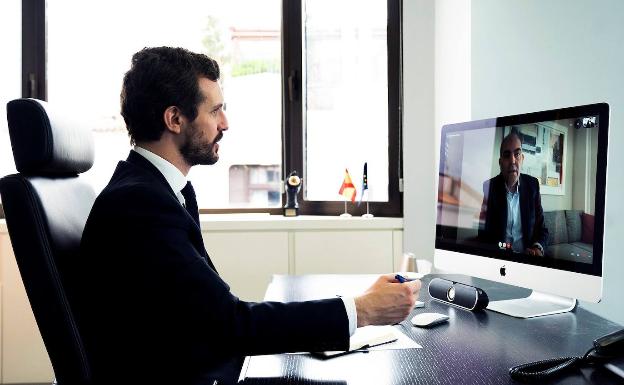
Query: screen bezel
(599, 109)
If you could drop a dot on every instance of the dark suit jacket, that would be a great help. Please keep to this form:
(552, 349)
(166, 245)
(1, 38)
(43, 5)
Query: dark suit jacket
(152, 307)
(494, 210)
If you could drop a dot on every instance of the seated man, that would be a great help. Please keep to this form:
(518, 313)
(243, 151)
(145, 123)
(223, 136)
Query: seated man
(512, 206)
(150, 303)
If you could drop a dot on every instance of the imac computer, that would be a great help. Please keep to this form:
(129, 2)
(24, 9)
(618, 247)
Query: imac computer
(521, 200)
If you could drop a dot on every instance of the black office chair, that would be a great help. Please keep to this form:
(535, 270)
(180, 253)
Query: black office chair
(46, 206)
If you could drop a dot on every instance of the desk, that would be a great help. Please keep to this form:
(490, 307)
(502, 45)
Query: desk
(472, 348)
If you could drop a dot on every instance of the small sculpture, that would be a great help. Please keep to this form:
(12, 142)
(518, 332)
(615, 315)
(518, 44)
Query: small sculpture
(293, 185)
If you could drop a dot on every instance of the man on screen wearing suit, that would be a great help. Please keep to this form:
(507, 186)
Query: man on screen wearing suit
(150, 303)
(512, 205)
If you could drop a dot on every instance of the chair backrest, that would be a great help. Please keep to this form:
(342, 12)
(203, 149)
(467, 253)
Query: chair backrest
(46, 207)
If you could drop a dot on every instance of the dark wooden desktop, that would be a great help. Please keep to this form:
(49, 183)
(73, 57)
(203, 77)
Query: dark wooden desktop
(472, 348)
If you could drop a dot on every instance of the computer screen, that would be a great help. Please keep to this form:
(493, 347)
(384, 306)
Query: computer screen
(521, 199)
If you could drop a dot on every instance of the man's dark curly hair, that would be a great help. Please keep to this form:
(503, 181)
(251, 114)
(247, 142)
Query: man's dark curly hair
(161, 77)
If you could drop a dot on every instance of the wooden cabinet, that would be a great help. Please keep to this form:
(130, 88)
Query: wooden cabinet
(246, 249)
(343, 252)
(248, 259)
(24, 356)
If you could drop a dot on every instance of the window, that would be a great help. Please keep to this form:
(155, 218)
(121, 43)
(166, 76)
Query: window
(86, 70)
(320, 97)
(343, 85)
(345, 60)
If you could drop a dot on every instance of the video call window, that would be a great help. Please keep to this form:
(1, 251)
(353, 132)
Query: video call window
(521, 189)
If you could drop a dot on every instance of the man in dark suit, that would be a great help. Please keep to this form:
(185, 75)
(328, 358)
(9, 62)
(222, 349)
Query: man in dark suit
(512, 206)
(149, 301)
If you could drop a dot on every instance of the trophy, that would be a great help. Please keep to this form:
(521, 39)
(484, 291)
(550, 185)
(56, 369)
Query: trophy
(293, 185)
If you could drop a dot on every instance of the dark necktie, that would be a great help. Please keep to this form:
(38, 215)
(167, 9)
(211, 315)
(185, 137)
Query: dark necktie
(188, 192)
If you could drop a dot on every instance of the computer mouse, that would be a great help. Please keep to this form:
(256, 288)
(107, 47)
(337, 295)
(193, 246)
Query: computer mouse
(424, 320)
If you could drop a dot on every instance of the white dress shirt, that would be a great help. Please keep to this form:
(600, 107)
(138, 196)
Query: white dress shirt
(513, 233)
(174, 177)
(177, 181)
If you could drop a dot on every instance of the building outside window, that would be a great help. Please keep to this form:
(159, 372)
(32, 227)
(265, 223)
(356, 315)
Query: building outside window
(257, 184)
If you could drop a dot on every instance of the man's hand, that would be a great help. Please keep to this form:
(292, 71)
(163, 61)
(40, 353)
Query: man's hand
(534, 251)
(386, 302)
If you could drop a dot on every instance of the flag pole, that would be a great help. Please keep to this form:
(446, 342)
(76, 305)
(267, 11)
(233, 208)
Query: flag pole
(345, 214)
(367, 215)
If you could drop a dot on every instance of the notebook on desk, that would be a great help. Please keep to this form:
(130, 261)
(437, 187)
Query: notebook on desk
(374, 338)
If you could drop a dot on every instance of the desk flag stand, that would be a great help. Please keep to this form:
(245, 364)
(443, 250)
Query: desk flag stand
(347, 190)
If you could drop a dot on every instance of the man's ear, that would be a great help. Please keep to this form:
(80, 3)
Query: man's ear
(173, 119)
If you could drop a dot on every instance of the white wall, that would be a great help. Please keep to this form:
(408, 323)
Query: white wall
(418, 127)
(536, 55)
(521, 56)
(436, 80)
(452, 63)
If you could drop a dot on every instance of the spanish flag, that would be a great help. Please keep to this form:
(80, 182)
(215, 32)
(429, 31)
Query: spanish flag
(347, 189)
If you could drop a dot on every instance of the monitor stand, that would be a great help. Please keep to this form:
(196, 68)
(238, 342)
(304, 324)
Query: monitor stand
(535, 305)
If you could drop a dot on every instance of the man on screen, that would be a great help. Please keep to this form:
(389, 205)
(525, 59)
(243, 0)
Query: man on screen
(512, 206)
(151, 305)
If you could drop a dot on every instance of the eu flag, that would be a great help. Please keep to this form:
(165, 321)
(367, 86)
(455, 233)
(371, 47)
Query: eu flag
(364, 181)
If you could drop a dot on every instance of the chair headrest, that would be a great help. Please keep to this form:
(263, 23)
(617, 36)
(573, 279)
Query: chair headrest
(47, 141)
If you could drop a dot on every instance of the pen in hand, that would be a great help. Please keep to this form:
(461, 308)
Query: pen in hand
(402, 279)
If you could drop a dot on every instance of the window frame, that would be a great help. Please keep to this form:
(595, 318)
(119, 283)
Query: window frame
(34, 51)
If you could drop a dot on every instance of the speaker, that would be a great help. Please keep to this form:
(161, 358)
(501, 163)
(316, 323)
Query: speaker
(457, 294)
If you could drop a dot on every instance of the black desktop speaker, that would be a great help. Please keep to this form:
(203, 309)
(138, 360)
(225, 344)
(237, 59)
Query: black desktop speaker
(457, 294)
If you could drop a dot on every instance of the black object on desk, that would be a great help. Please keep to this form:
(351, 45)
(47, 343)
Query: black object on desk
(458, 294)
(474, 348)
(605, 350)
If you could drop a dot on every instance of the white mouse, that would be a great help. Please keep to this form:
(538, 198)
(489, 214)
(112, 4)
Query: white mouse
(428, 319)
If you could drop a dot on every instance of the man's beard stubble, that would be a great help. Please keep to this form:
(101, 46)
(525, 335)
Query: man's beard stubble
(511, 178)
(196, 151)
